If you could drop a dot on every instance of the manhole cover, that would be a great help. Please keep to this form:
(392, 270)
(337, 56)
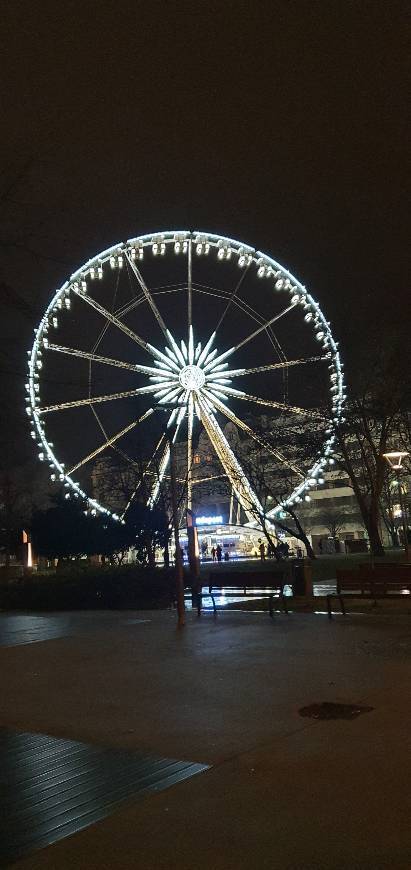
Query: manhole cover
(328, 710)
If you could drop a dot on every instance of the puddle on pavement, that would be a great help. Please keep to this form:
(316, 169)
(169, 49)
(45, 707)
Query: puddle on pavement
(328, 710)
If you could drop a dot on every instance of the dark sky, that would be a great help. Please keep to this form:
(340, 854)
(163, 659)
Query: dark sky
(281, 123)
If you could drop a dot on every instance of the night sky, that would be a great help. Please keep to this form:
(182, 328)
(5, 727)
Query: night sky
(283, 124)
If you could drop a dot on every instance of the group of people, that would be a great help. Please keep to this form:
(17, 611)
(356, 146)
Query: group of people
(217, 554)
(281, 551)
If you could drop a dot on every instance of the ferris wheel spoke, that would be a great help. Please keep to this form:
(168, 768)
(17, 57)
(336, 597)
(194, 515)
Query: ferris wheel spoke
(111, 441)
(212, 361)
(235, 373)
(129, 306)
(260, 440)
(269, 403)
(147, 294)
(93, 400)
(246, 496)
(145, 474)
(189, 284)
(155, 489)
(233, 294)
(114, 320)
(93, 357)
(165, 459)
(264, 326)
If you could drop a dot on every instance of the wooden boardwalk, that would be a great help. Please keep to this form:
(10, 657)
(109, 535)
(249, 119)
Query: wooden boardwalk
(51, 788)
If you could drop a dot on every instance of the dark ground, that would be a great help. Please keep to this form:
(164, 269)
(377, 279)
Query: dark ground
(283, 791)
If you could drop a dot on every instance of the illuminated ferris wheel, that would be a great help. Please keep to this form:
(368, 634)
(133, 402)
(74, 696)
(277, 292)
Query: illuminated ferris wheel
(203, 327)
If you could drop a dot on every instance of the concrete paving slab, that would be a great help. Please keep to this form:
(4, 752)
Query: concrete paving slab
(285, 791)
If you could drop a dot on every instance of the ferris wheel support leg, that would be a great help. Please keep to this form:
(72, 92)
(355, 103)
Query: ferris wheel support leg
(161, 472)
(230, 517)
(246, 496)
(190, 454)
(147, 294)
(238, 422)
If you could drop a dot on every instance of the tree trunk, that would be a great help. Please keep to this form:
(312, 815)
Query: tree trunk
(371, 525)
(150, 553)
(300, 535)
(308, 547)
(166, 556)
(271, 543)
(303, 537)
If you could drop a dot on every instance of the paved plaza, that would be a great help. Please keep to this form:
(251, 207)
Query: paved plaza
(277, 789)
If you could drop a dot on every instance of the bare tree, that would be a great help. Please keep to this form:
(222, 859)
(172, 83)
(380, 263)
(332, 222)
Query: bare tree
(334, 521)
(272, 477)
(369, 432)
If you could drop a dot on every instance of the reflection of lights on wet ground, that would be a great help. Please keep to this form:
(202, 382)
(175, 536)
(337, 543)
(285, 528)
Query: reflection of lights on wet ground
(257, 595)
(236, 595)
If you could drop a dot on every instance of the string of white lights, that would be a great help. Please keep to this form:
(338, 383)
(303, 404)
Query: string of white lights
(186, 374)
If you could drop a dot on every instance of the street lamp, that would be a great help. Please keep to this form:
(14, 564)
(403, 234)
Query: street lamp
(174, 509)
(395, 459)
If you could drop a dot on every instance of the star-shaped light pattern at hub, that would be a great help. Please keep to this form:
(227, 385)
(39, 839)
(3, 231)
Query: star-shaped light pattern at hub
(192, 378)
(188, 372)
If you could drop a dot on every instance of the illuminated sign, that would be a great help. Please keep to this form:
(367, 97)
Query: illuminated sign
(209, 521)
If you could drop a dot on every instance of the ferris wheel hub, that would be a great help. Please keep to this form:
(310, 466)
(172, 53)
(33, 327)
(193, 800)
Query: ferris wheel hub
(192, 378)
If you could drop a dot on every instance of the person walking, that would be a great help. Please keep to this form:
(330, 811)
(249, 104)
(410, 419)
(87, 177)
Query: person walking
(262, 551)
(213, 553)
(219, 552)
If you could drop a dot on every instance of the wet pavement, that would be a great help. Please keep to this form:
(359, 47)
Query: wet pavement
(282, 790)
(26, 628)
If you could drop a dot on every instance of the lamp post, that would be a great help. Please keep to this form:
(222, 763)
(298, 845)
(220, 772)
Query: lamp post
(174, 510)
(395, 459)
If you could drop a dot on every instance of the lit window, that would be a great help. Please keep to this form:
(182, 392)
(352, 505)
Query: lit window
(197, 459)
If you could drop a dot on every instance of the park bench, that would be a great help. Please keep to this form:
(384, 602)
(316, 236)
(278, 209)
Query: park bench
(259, 583)
(381, 580)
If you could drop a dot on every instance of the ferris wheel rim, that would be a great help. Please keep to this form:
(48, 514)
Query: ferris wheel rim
(226, 247)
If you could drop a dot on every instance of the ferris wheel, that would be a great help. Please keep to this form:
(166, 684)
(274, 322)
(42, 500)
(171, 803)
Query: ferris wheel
(203, 327)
